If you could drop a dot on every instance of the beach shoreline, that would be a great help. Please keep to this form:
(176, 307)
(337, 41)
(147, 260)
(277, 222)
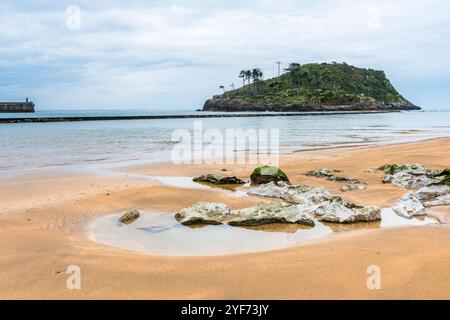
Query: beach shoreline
(44, 217)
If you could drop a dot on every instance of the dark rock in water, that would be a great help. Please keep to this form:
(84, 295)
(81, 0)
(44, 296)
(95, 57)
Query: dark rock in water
(217, 179)
(266, 174)
(129, 217)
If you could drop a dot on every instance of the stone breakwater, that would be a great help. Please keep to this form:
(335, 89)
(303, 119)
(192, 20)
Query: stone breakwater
(175, 116)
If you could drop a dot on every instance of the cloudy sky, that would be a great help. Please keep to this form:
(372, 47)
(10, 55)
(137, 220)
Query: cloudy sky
(175, 54)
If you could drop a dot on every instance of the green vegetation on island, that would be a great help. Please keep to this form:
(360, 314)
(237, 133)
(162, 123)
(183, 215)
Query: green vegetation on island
(312, 87)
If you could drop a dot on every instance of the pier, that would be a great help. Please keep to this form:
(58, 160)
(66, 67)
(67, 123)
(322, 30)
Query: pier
(17, 107)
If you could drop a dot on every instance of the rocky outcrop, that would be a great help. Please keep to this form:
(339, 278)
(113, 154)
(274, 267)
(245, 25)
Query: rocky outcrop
(218, 179)
(319, 202)
(271, 212)
(415, 203)
(410, 176)
(266, 174)
(262, 213)
(203, 213)
(225, 104)
(409, 206)
(129, 217)
(338, 210)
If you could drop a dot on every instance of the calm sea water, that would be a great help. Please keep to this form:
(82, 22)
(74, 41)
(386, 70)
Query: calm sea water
(41, 145)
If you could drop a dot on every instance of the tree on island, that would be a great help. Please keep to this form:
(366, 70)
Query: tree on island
(248, 74)
(243, 75)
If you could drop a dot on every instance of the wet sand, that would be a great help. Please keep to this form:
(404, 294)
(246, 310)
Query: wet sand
(43, 217)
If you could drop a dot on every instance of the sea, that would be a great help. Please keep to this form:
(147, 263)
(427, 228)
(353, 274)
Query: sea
(33, 146)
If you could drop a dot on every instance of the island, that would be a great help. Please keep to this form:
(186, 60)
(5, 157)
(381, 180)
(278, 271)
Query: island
(312, 87)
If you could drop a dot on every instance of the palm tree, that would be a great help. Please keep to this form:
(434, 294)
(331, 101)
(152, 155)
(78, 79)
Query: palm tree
(248, 74)
(232, 86)
(256, 74)
(243, 75)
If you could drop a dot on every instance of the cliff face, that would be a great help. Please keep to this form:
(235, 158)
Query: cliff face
(315, 87)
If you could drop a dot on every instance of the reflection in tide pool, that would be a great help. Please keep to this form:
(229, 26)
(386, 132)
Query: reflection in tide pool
(161, 234)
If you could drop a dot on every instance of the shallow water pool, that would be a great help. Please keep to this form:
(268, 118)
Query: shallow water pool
(161, 234)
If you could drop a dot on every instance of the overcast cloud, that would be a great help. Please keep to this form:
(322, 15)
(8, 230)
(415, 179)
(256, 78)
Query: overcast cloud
(175, 54)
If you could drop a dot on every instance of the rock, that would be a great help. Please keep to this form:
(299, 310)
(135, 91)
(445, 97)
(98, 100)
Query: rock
(340, 211)
(430, 192)
(329, 174)
(356, 187)
(303, 194)
(414, 168)
(439, 201)
(444, 178)
(262, 213)
(218, 179)
(129, 217)
(271, 189)
(409, 176)
(319, 202)
(409, 206)
(296, 194)
(203, 213)
(407, 180)
(322, 173)
(270, 212)
(266, 174)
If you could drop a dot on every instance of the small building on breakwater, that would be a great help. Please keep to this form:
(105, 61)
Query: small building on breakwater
(10, 107)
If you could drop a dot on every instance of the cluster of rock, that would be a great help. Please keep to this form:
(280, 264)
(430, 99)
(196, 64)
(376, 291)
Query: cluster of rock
(433, 188)
(410, 176)
(319, 202)
(302, 205)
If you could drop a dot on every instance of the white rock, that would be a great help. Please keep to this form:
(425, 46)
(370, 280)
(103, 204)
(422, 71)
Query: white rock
(339, 211)
(203, 213)
(270, 190)
(298, 194)
(431, 192)
(271, 212)
(439, 201)
(316, 201)
(409, 206)
(411, 176)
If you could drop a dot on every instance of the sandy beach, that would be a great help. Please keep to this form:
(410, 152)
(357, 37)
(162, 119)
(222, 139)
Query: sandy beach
(44, 217)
